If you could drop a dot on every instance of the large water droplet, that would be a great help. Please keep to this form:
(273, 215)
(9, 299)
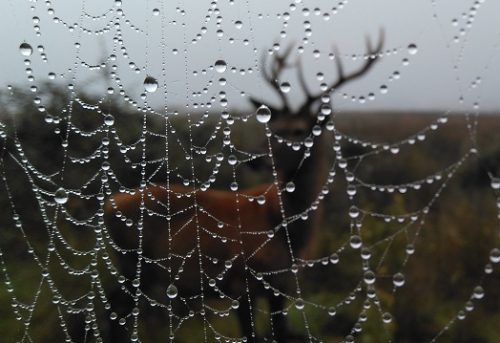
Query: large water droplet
(369, 277)
(263, 114)
(495, 255)
(387, 318)
(61, 196)
(285, 87)
(412, 49)
(220, 66)
(478, 292)
(299, 304)
(25, 49)
(235, 304)
(355, 242)
(353, 212)
(150, 84)
(495, 183)
(109, 120)
(172, 291)
(398, 279)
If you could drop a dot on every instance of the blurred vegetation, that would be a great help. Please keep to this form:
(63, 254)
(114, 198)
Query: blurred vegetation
(452, 245)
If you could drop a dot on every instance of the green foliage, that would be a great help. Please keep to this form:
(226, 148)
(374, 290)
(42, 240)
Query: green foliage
(452, 244)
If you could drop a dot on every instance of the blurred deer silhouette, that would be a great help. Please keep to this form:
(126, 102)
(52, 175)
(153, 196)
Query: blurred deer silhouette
(202, 244)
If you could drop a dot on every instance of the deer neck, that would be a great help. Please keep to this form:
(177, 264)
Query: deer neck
(309, 180)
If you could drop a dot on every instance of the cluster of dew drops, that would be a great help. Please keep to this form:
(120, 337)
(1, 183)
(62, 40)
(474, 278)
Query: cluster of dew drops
(263, 115)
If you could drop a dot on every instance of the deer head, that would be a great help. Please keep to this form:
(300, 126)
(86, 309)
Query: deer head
(295, 126)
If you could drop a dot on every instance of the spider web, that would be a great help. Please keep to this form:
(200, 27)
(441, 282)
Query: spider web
(131, 207)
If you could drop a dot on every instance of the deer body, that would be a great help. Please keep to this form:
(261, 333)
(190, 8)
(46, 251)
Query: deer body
(190, 238)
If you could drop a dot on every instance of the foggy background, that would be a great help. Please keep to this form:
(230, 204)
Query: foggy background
(437, 76)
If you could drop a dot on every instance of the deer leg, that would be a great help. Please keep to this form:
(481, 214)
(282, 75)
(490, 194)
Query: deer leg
(279, 328)
(245, 316)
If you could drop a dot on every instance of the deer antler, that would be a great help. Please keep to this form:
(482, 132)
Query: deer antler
(279, 62)
(372, 56)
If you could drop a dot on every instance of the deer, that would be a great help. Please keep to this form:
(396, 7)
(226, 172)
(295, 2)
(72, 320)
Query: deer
(190, 237)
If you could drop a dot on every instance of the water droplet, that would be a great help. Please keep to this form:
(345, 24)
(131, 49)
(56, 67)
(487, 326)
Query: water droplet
(285, 87)
(172, 291)
(299, 304)
(412, 49)
(334, 258)
(61, 196)
(478, 292)
(261, 199)
(263, 114)
(235, 304)
(495, 183)
(25, 49)
(232, 160)
(355, 242)
(387, 318)
(156, 11)
(290, 187)
(326, 109)
(150, 84)
(332, 311)
(410, 249)
(220, 66)
(495, 255)
(398, 279)
(369, 277)
(353, 212)
(109, 120)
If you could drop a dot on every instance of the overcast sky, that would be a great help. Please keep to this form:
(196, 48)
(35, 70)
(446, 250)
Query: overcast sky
(437, 75)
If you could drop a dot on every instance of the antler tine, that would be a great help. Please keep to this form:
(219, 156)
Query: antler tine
(372, 57)
(279, 63)
(302, 79)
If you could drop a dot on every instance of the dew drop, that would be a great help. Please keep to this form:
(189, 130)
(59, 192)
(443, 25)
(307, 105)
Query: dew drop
(355, 242)
(299, 304)
(235, 304)
(25, 49)
(109, 120)
(495, 255)
(412, 49)
(156, 11)
(290, 187)
(172, 291)
(369, 277)
(150, 84)
(220, 66)
(353, 212)
(334, 258)
(326, 109)
(285, 87)
(61, 196)
(398, 279)
(263, 114)
(495, 183)
(478, 292)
